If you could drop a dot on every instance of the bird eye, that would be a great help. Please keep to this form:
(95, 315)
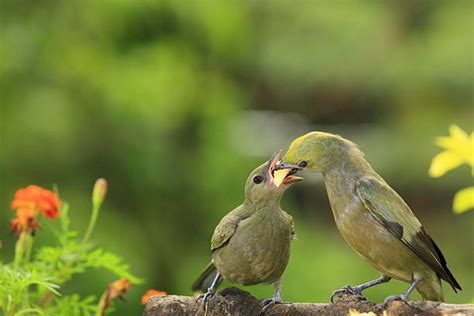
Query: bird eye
(257, 179)
(303, 164)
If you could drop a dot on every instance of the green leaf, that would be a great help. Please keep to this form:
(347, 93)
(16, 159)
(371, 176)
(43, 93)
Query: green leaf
(17, 289)
(73, 305)
(113, 263)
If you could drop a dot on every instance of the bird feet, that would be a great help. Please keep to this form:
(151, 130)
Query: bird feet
(392, 298)
(353, 290)
(267, 303)
(206, 296)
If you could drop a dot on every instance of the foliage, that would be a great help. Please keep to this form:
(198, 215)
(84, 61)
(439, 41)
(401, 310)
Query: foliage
(458, 150)
(34, 286)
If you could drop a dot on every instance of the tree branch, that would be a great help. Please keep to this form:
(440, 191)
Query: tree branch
(233, 301)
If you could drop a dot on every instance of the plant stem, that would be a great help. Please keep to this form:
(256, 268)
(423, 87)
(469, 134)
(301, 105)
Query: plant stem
(30, 310)
(102, 306)
(28, 247)
(19, 249)
(98, 195)
(23, 247)
(90, 228)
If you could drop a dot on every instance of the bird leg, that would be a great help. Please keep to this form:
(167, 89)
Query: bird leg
(276, 298)
(404, 296)
(357, 290)
(211, 290)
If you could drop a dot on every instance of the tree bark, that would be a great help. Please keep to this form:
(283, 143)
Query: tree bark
(233, 301)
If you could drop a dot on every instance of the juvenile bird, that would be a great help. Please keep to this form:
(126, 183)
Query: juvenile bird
(372, 217)
(251, 244)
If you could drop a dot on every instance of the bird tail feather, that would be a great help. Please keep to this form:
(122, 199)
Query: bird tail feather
(204, 281)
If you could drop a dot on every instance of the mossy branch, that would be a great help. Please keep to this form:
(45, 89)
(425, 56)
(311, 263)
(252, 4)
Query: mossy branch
(233, 301)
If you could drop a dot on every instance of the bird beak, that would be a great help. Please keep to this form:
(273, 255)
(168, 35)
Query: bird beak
(274, 160)
(280, 176)
(284, 165)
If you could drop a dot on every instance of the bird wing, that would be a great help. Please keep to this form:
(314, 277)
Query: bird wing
(226, 228)
(293, 232)
(290, 221)
(390, 210)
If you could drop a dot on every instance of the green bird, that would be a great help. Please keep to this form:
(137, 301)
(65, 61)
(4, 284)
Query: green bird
(373, 219)
(251, 244)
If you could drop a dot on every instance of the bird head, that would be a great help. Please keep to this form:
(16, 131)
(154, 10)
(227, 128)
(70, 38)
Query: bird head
(315, 152)
(265, 183)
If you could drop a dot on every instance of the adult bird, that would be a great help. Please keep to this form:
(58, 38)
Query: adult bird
(251, 244)
(373, 219)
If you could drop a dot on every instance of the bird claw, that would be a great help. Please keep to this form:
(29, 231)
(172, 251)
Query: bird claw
(392, 298)
(206, 296)
(267, 303)
(352, 290)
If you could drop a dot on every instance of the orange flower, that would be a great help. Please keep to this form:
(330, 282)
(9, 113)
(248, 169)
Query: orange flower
(37, 199)
(151, 293)
(29, 202)
(114, 290)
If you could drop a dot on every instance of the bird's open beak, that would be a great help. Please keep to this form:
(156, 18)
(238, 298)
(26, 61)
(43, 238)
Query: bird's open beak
(280, 176)
(284, 165)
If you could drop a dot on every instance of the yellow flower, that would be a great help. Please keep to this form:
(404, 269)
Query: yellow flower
(459, 149)
(464, 200)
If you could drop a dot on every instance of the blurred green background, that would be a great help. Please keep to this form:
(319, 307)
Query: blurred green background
(175, 102)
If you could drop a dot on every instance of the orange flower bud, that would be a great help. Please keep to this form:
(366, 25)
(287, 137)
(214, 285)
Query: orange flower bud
(114, 290)
(151, 293)
(99, 191)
